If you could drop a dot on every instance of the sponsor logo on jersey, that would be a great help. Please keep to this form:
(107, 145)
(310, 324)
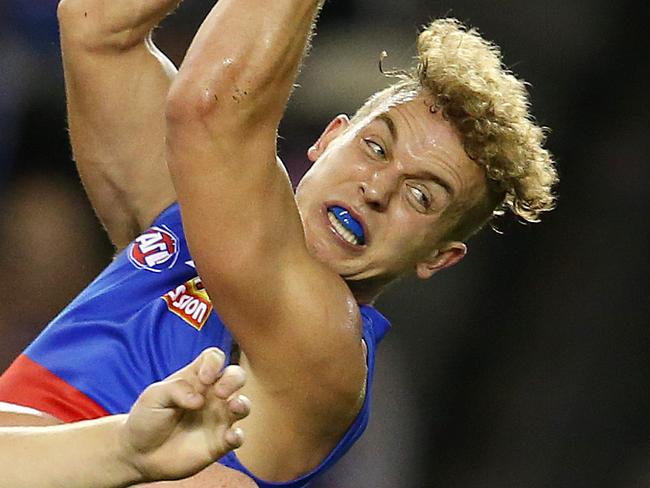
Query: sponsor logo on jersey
(190, 302)
(154, 250)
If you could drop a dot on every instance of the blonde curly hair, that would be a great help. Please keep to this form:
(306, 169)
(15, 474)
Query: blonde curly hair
(489, 107)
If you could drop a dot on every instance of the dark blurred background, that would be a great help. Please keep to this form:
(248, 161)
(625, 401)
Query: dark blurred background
(525, 366)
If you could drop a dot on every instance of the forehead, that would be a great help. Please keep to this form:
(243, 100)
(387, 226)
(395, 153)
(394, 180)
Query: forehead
(415, 123)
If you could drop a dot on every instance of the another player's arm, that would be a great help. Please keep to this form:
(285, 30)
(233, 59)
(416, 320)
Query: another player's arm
(71, 455)
(116, 85)
(296, 321)
(176, 427)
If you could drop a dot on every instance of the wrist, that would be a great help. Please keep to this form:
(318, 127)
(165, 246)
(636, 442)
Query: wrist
(125, 455)
(104, 33)
(117, 26)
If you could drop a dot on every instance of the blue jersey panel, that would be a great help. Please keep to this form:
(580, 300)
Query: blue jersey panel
(129, 329)
(147, 315)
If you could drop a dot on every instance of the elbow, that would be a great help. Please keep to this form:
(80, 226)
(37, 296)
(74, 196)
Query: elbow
(223, 109)
(232, 93)
(69, 13)
(204, 87)
(75, 32)
(65, 9)
(187, 101)
(190, 121)
(74, 22)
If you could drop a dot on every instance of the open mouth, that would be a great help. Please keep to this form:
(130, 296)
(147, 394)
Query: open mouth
(346, 226)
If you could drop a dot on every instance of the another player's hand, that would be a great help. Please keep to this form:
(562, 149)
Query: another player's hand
(180, 425)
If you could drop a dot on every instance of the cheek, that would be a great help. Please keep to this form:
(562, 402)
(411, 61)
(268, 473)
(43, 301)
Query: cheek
(403, 237)
(309, 186)
(326, 179)
(341, 164)
(413, 234)
(405, 221)
(316, 177)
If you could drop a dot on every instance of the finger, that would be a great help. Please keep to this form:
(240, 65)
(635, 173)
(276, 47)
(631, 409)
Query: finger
(211, 360)
(193, 368)
(234, 437)
(239, 406)
(172, 393)
(210, 365)
(232, 379)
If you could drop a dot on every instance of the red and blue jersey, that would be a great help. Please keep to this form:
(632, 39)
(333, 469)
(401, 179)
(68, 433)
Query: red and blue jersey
(144, 317)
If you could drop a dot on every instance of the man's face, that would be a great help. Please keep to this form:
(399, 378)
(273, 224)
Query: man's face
(379, 197)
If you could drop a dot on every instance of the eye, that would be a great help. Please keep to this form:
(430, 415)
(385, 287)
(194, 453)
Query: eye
(376, 149)
(420, 196)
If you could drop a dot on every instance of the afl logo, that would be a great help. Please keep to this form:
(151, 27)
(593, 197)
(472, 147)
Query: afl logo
(154, 250)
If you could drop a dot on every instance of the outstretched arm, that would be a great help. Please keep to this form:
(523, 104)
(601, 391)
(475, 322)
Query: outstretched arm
(177, 427)
(116, 84)
(295, 320)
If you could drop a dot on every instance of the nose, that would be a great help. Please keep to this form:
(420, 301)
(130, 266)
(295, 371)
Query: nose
(378, 188)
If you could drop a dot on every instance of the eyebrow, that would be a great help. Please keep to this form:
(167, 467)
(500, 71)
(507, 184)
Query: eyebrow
(440, 181)
(385, 118)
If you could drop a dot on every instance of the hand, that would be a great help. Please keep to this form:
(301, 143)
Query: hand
(182, 424)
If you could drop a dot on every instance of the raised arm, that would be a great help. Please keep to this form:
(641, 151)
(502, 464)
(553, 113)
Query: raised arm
(116, 84)
(296, 320)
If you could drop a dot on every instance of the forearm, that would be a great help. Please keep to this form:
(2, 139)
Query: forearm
(243, 60)
(73, 455)
(114, 25)
(116, 86)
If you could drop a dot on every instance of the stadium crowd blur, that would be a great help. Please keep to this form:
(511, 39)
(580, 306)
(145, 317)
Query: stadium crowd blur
(528, 365)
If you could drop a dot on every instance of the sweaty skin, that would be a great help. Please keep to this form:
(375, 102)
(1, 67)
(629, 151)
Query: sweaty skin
(283, 278)
(383, 178)
(301, 336)
(118, 139)
(250, 236)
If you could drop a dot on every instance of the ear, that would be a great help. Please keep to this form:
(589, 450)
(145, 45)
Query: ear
(333, 129)
(439, 259)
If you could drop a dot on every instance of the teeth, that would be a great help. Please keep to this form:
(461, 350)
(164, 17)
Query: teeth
(341, 230)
